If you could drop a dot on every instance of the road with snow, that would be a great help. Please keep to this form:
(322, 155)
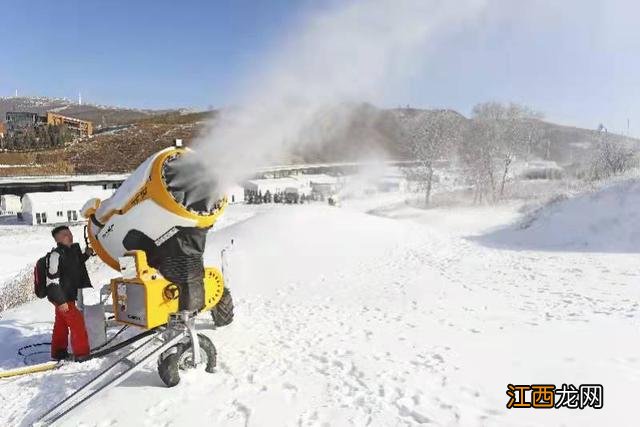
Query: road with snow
(400, 317)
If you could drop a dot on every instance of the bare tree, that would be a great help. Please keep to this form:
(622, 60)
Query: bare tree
(507, 132)
(430, 136)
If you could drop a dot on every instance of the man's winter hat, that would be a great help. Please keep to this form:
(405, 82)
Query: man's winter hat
(58, 229)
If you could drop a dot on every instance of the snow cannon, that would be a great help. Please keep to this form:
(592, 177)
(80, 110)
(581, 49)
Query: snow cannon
(153, 230)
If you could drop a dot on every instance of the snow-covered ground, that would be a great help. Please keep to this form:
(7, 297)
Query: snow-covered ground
(401, 317)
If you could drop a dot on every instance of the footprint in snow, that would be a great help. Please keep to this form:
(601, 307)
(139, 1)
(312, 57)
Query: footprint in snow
(290, 391)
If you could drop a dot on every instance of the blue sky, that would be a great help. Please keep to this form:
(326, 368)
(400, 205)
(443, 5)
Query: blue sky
(577, 61)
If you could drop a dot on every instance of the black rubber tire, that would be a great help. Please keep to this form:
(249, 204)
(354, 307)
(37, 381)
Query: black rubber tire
(168, 366)
(210, 352)
(222, 313)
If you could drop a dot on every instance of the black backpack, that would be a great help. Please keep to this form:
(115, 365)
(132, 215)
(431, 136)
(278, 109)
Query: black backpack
(40, 276)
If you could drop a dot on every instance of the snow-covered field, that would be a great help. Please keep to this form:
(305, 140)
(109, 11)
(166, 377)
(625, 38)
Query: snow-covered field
(402, 317)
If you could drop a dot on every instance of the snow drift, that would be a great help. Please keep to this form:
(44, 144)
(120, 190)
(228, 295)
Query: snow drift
(607, 220)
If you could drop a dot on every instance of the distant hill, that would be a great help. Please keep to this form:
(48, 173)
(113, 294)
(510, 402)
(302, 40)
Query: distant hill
(123, 150)
(367, 131)
(569, 145)
(371, 130)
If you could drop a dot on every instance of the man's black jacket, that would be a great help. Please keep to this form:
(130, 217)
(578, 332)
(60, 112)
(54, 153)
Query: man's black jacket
(66, 274)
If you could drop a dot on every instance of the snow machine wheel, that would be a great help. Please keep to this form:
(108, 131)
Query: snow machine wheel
(222, 313)
(210, 351)
(180, 357)
(168, 366)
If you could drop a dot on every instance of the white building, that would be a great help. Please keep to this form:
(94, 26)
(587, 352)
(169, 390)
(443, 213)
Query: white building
(304, 184)
(84, 188)
(323, 184)
(538, 169)
(274, 186)
(393, 181)
(57, 207)
(10, 204)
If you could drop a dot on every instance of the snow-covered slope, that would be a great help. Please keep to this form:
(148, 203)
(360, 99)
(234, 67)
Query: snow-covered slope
(287, 245)
(607, 220)
(345, 318)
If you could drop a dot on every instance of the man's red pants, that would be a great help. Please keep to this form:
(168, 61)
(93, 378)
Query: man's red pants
(70, 320)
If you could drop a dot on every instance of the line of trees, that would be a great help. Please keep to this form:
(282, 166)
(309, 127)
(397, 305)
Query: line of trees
(485, 146)
(43, 136)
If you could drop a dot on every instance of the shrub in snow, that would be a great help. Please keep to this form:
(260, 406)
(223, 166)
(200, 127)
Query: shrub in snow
(17, 291)
(611, 158)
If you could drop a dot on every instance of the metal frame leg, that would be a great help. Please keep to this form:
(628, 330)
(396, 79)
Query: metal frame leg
(113, 376)
(195, 343)
(186, 321)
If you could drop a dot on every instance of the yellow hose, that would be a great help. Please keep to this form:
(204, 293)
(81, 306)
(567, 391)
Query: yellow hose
(41, 367)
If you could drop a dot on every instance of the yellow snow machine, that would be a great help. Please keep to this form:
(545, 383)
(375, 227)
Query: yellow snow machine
(153, 231)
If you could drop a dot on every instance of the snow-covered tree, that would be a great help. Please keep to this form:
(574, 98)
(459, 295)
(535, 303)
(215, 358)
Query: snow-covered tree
(430, 136)
(611, 157)
(477, 152)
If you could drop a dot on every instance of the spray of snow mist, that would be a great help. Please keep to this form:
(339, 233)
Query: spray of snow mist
(355, 51)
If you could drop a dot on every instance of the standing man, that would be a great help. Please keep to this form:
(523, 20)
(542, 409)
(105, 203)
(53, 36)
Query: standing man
(65, 275)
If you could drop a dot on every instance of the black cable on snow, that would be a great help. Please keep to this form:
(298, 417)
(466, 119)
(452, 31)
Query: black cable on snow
(25, 356)
(23, 348)
(107, 342)
(117, 347)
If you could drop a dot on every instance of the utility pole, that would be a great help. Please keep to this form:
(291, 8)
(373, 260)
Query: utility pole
(628, 128)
